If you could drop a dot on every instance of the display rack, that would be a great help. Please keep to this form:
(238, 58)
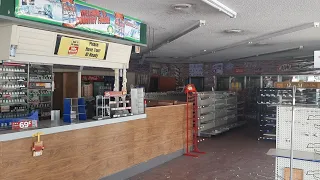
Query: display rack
(74, 110)
(112, 104)
(241, 104)
(304, 141)
(217, 112)
(137, 101)
(13, 92)
(269, 98)
(40, 90)
(102, 108)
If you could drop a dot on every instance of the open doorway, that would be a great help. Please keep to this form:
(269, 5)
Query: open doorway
(154, 84)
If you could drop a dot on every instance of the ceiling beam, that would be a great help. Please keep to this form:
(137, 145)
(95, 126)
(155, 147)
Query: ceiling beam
(261, 38)
(181, 33)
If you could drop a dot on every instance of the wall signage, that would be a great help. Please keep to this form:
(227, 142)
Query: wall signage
(68, 46)
(92, 78)
(284, 67)
(79, 15)
(316, 59)
(217, 69)
(238, 70)
(195, 70)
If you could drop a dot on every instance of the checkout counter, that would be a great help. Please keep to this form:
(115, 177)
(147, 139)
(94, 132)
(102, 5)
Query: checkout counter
(96, 149)
(115, 148)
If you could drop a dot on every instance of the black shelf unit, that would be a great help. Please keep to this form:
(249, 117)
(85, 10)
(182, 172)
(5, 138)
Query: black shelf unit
(267, 100)
(40, 90)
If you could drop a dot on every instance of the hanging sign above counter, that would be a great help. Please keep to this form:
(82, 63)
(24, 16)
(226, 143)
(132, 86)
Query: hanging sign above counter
(79, 15)
(68, 46)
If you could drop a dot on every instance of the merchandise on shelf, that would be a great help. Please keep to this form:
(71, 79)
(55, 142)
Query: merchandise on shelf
(269, 98)
(40, 90)
(13, 92)
(112, 104)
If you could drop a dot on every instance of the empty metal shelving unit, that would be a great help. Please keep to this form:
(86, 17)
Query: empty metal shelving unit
(217, 112)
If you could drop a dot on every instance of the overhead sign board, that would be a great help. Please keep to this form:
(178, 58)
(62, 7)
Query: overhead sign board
(316, 59)
(68, 46)
(79, 15)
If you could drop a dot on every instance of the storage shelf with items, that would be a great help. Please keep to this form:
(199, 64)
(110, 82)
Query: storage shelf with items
(267, 100)
(74, 109)
(40, 90)
(137, 101)
(217, 112)
(13, 91)
(112, 104)
(270, 98)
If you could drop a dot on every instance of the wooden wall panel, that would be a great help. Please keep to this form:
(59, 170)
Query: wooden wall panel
(58, 92)
(167, 84)
(70, 85)
(93, 153)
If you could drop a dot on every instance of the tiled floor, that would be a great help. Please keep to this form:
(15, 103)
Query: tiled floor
(234, 155)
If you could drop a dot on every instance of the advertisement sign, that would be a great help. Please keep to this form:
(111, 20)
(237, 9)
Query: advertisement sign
(24, 124)
(195, 70)
(77, 14)
(217, 69)
(284, 67)
(91, 78)
(238, 70)
(316, 59)
(68, 46)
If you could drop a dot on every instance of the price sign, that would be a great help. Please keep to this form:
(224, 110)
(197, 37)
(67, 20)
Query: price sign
(113, 93)
(24, 124)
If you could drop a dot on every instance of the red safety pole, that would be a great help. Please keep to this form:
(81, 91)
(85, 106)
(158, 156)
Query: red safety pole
(196, 126)
(190, 89)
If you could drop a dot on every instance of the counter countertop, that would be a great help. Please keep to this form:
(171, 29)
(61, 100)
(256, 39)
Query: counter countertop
(49, 127)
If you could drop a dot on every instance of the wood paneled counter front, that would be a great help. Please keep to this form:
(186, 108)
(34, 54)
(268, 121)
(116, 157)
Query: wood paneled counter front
(96, 152)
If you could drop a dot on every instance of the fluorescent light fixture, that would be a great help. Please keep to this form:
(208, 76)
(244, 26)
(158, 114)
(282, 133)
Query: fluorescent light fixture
(304, 57)
(270, 53)
(221, 7)
(195, 26)
(264, 37)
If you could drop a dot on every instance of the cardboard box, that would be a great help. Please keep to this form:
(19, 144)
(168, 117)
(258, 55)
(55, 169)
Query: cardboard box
(297, 174)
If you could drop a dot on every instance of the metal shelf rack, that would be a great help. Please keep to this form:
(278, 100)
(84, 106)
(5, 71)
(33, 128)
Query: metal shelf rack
(40, 89)
(269, 98)
(217, 112)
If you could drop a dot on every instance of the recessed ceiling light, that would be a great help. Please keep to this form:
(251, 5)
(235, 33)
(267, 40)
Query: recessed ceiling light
(233, 31)
(181, 6)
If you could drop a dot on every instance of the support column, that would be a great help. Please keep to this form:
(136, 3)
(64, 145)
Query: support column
(261, 81)
(116, 80)
(279, 78)
(79, 82)
(124, 80)
(245, 82)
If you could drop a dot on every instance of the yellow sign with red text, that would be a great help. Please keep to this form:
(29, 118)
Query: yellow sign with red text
(68, 46)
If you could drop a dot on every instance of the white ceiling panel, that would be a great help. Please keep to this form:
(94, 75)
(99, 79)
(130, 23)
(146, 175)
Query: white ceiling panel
(255, 18)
